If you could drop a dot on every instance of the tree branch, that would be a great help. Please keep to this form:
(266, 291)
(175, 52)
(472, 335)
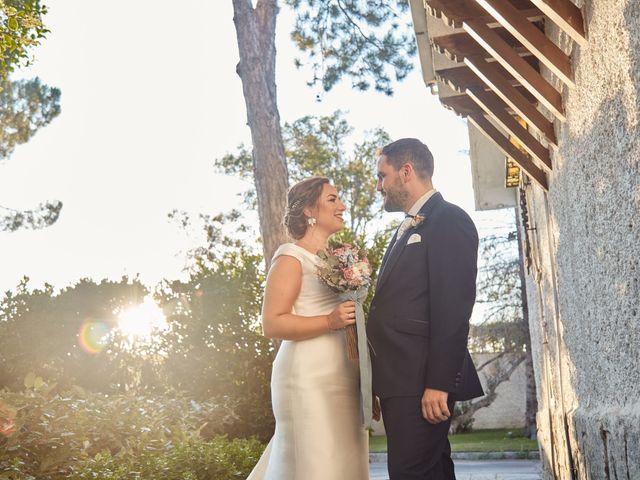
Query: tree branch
(491, 360)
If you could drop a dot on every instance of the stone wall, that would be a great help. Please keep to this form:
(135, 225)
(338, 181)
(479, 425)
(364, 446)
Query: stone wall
(583, 286)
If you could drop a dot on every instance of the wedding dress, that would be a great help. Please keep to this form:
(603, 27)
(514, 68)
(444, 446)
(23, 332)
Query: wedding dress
(315, 397)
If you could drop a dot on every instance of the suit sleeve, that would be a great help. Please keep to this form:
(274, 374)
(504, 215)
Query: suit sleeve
(452, 269)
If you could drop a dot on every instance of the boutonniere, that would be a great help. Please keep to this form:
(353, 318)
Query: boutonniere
(417, 220)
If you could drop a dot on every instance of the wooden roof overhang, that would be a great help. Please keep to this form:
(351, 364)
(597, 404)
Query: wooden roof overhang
(493, 53)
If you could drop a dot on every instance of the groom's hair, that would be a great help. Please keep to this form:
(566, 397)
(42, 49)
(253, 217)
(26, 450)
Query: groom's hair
(413, 151)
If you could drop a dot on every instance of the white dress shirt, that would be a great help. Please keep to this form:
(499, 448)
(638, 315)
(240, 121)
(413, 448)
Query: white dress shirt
(413, 211)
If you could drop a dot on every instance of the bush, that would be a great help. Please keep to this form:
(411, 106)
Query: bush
(51, 435)
(219, 459)
(211, 350)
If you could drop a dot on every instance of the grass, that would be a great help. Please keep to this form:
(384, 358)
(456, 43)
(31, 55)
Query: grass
(498, 440)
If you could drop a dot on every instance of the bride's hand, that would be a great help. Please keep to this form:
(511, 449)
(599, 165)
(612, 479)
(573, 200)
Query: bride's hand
(343, 315)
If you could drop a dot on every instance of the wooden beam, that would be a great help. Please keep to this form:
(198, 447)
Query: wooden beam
(462, 105)
(510, 150)
(461, 78)
(527, 95)
(497, 109)
(516, 66)
(456, 46)
(536, 41)
(490, 74)
(566, 15)
(455, 12)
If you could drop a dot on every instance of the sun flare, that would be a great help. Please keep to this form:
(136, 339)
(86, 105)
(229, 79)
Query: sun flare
(141, 323)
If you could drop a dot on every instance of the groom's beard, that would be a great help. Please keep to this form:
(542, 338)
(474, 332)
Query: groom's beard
(395, 199)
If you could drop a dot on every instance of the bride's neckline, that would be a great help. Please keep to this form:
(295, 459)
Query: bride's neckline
(304, 250)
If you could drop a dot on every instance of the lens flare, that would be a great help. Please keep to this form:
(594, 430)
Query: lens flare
(142, 323)
(94, 336)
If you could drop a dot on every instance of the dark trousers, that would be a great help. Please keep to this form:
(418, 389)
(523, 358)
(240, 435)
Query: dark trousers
(416, 449)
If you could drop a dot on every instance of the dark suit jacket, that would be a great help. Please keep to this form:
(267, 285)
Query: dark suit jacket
(418, 322)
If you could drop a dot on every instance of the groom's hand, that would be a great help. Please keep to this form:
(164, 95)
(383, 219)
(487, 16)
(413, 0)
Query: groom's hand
(434, 406)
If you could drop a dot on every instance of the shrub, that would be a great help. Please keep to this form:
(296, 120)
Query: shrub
(219, 459)
(50, 435)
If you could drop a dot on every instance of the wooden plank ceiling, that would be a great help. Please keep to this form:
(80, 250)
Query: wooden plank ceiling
(495, 50)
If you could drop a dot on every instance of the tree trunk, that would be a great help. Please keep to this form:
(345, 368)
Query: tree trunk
(531, 401)
(256, 31)
(501, 370)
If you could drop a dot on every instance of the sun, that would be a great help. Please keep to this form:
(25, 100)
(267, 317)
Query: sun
(142, 323)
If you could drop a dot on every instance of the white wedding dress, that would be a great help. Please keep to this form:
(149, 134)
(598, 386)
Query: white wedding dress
(315, 396)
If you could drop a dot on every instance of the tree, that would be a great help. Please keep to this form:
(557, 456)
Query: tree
(255, 31)
(505, 331)
(25, 107)
(318, 146)
(21, 29)
(355, 39)
(46, 333)
(44, 215)
(368, 42)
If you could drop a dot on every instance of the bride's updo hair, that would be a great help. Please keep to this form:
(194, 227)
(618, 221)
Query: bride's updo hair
(302, 195)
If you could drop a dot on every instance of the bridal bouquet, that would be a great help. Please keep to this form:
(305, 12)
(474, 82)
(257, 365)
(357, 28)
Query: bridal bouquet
(345, 270)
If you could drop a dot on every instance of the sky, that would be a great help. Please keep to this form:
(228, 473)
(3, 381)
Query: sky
(150, 99)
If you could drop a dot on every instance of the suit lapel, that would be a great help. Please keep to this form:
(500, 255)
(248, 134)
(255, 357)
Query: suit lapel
(384, 259)
(393, 254)
(388, 251)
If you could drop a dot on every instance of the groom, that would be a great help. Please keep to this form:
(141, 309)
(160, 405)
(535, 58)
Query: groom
(419, 318)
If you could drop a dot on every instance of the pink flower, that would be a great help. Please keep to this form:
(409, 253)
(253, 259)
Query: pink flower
(339, 251)
(348, 273)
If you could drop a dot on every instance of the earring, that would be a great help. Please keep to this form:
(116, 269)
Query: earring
(311, 221)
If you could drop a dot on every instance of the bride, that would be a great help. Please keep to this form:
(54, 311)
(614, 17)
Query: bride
(314, 387)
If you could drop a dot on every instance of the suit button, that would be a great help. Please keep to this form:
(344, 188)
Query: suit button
(373, 308)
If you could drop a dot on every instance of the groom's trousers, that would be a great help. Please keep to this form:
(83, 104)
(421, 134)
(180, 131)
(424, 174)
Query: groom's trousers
(416, 449)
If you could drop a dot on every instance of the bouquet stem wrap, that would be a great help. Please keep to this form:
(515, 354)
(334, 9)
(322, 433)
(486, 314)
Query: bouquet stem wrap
(357, 349)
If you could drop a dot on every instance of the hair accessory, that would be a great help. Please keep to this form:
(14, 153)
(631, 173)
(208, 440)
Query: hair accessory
(291, 208)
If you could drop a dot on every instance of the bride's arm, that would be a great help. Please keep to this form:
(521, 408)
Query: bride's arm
(283, 287)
